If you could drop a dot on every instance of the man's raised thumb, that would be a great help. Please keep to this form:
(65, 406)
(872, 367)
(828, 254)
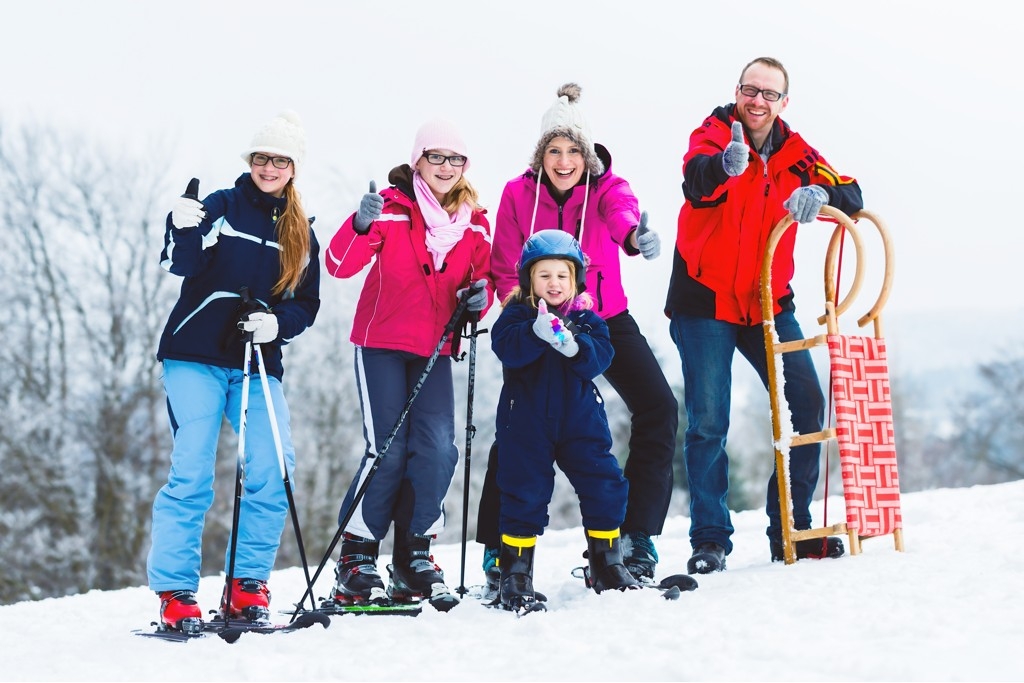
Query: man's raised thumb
(737, 131)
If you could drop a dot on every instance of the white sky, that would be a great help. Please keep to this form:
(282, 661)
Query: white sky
(946, 609)
(897, 94)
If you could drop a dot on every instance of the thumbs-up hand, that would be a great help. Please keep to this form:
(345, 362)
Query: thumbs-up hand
(370, 207)
(188, 211)
(647, 241)
(736, 155)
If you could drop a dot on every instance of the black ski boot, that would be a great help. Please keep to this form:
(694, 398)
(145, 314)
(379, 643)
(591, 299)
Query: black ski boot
(358, 581)
(639, 556)
(516, 564)
(414, 576)
(606, 570)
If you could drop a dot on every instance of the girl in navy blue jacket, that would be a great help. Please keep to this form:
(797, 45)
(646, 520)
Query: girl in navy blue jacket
(552, 346)
(254, 236)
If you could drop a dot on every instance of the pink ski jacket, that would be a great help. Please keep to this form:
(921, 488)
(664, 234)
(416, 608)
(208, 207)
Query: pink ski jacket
(612, 214)
(405, 303)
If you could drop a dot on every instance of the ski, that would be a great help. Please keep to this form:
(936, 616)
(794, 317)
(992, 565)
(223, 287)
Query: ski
(236, 629)
(233, 629)
(331, 607)
(671, 587)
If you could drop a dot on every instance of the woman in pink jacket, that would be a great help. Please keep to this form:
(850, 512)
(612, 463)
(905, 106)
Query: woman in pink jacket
(570, 186)
(428, 241)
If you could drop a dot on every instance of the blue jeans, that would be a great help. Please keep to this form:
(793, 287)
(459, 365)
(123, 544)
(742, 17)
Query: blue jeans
(706, 349)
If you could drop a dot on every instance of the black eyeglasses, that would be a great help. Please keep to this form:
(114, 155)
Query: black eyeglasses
(768, 95)
(262, 159)
(438, 159)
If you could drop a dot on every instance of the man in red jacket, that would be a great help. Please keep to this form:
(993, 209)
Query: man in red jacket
(744, 171)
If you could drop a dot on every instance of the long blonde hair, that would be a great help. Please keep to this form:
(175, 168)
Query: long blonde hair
(293, 236)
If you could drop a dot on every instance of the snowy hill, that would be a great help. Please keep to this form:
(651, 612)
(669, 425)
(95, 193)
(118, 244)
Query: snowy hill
(946, 609)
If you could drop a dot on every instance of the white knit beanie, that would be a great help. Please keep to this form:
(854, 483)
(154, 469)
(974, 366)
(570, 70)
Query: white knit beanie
(565, 119)
(283, 136)
(438, 134)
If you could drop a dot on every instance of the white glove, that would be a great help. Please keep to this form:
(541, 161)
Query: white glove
(187, 213)
(736, 155)
(647, 241)
(548, 327)
(263, 326)
(806, 202)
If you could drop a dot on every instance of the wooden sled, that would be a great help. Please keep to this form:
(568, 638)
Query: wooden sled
(860, 389)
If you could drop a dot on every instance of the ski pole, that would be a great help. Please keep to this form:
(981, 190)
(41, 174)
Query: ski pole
(449, 329)
(239, 475)
(280, 461)
(470, 433)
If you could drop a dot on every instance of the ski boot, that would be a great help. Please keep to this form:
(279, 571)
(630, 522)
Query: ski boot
(179, 611)
(809, 548)
(516, 563)
(707, 557)
(639, 556)
(358, 581)
(250, 600)
(492, 574)
(414, 576)
(606, 571)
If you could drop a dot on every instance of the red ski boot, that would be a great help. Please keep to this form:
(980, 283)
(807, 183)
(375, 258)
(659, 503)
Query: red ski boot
(179, 611)
(250, 600)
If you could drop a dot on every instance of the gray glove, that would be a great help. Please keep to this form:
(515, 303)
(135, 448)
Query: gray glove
(806, 202)
(370, 207)
(647, 240)
(187, 213)
(476, 302)
(736, 155)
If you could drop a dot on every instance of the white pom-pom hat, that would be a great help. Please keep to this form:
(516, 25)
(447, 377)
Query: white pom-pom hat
(565, 119)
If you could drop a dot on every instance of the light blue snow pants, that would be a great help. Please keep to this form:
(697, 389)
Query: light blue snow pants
(198, 396)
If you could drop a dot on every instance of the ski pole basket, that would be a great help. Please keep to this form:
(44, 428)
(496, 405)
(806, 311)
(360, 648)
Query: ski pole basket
(859, 382)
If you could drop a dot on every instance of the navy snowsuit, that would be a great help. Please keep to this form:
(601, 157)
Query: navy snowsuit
(550, 411)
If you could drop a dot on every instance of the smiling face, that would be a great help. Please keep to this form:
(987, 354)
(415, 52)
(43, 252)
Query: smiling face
(564, 164)
(756, 113)
(269, 178)
(552, 279)
(440, 179)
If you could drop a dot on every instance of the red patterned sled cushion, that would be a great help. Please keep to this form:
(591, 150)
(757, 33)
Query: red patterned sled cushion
(867, 450)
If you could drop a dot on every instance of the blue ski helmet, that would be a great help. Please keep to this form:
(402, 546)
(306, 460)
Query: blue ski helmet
(545, 244)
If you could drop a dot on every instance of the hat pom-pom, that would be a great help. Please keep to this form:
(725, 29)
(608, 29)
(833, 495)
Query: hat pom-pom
(571, 91)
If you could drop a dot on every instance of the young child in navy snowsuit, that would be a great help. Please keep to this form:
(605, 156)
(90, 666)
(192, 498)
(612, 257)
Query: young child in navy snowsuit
(552, 346)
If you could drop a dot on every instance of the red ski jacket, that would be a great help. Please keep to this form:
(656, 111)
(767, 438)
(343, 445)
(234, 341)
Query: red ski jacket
(405, 302)
(725, 221)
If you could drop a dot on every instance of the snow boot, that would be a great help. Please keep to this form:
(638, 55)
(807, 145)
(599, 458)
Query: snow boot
(179, 611)
(639, 555)
(707, 557)
(516, 571)
(606, 571)
(812, 548)
(358, 580)
(250, 600)
(414, 576)
(492, 573)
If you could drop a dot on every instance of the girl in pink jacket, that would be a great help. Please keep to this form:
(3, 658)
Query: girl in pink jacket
(427, 240)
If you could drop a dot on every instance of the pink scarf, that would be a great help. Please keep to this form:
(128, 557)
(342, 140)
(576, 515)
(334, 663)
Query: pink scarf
(443, 231)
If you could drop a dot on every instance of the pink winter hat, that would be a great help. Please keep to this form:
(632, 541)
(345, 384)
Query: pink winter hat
(439, 134)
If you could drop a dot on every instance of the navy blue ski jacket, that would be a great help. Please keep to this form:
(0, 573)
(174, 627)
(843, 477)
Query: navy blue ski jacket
(235, 246)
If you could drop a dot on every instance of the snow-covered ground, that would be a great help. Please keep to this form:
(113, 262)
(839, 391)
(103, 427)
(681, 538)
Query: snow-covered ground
(947, 609)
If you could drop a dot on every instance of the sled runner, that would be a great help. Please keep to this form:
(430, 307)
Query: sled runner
(859, 383)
